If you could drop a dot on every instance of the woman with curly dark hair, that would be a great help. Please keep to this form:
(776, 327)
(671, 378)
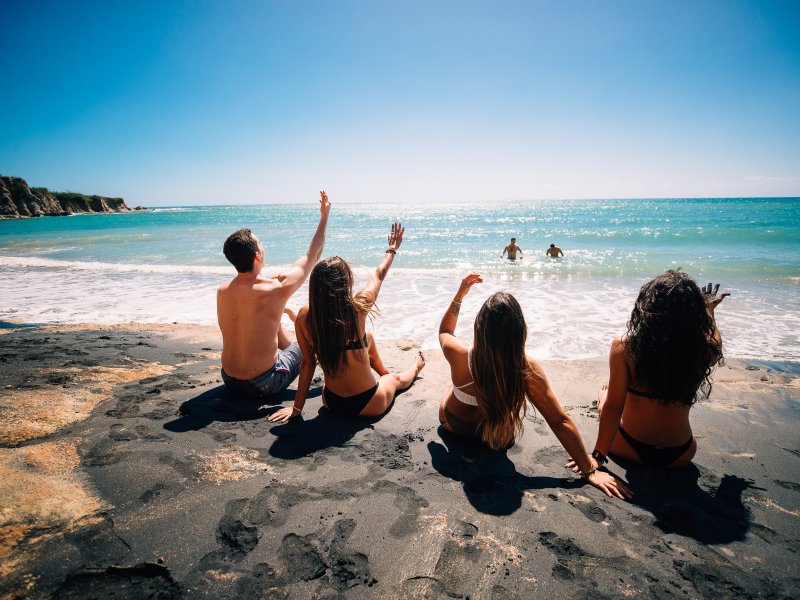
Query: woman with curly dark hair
(493, 381)
(331, 330)
(658, 370)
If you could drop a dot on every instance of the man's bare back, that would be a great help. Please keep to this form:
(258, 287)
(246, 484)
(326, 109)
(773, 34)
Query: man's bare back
(249, 314)
(250, 306)
(554, 251)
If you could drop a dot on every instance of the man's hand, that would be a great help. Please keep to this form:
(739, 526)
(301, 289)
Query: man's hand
(395, 237)
(284, 414)
(324, 205)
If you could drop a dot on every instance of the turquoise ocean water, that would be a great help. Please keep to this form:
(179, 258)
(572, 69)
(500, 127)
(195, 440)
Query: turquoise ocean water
(163, 265)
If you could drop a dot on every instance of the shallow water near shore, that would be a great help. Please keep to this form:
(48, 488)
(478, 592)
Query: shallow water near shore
(163, 266)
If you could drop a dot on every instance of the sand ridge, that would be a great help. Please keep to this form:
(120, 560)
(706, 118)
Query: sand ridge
(58, 397)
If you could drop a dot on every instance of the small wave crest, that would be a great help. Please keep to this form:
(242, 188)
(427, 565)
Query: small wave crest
(19, 262)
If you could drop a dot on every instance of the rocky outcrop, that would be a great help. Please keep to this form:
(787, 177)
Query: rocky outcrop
(17, 199)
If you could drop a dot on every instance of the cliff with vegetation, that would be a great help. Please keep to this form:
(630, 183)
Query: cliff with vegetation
(17, 199)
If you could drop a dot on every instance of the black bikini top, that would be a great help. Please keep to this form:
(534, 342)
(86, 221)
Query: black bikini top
(645, 394)
(651, 395)
(357, 344)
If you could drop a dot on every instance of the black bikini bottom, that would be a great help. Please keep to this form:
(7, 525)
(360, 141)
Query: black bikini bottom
(656, 456)
(349, 406)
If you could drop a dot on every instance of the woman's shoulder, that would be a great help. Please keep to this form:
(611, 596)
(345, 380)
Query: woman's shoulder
(538, 378)
(619, 348)
(302, 317)
(534, 365)
(619, 358)
(453, 347)
(619, 343)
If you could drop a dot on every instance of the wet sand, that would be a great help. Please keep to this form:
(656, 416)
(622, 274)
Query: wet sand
(125, 468)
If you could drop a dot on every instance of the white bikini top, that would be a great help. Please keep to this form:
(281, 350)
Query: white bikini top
(460, 395)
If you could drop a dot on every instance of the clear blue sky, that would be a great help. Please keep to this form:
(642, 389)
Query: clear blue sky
(172, 102)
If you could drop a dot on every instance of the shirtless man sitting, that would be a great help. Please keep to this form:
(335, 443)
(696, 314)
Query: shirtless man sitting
(553, 251)
(258, 358)
(512, 250)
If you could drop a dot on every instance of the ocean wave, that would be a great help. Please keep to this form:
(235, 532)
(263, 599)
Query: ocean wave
(567, 317)
(585, 265)
(27, 263)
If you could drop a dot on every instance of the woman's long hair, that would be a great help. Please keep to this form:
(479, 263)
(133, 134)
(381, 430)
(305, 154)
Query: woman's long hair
(671, 340)
(333, 313)
(500, 369)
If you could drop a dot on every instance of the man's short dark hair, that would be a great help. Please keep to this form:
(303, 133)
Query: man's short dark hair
(513, 239)
(240, 248)
(552, 245)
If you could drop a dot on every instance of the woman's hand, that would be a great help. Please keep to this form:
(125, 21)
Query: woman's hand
(284, 414)
(467, 283)
(448, 325)
(606, 482)
(712, 300)
(324, 205)
(603, 480)
(395, 237)
(576, 469)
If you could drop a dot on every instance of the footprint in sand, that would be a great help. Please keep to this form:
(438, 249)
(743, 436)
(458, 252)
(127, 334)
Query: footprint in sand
(589, 508)
(306, 559)
(461, 561)
(145, 580)
(232, 534)
(409, 502)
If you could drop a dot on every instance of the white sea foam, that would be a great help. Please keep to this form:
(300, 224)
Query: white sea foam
(22, 263)
(568, 317)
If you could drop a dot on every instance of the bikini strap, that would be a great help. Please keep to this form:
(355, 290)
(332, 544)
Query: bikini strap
(472, 380)
(651, 395)
(357, 344)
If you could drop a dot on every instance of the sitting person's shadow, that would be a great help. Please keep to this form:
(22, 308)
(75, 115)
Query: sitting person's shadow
(218, 404)
(299, 437)
(680, 505)
(490, 480)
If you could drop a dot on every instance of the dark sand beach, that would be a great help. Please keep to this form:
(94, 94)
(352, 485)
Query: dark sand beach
(127, 471)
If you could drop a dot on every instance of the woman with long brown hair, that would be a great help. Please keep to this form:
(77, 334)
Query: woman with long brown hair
(331, 330)
(658, 370)
(494, 379)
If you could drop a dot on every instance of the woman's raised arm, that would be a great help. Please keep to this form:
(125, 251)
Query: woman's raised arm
(712, 301)
(394, 239)
(447, 327)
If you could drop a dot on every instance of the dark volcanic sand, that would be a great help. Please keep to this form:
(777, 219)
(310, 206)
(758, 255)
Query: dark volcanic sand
(132, 474)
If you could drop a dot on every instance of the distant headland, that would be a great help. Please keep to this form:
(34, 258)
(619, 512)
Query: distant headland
(18, 199)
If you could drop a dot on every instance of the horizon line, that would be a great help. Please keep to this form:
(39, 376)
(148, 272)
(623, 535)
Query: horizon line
(481, 202)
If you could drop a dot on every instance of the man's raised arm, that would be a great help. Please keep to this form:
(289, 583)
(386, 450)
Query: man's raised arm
(295, 275)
